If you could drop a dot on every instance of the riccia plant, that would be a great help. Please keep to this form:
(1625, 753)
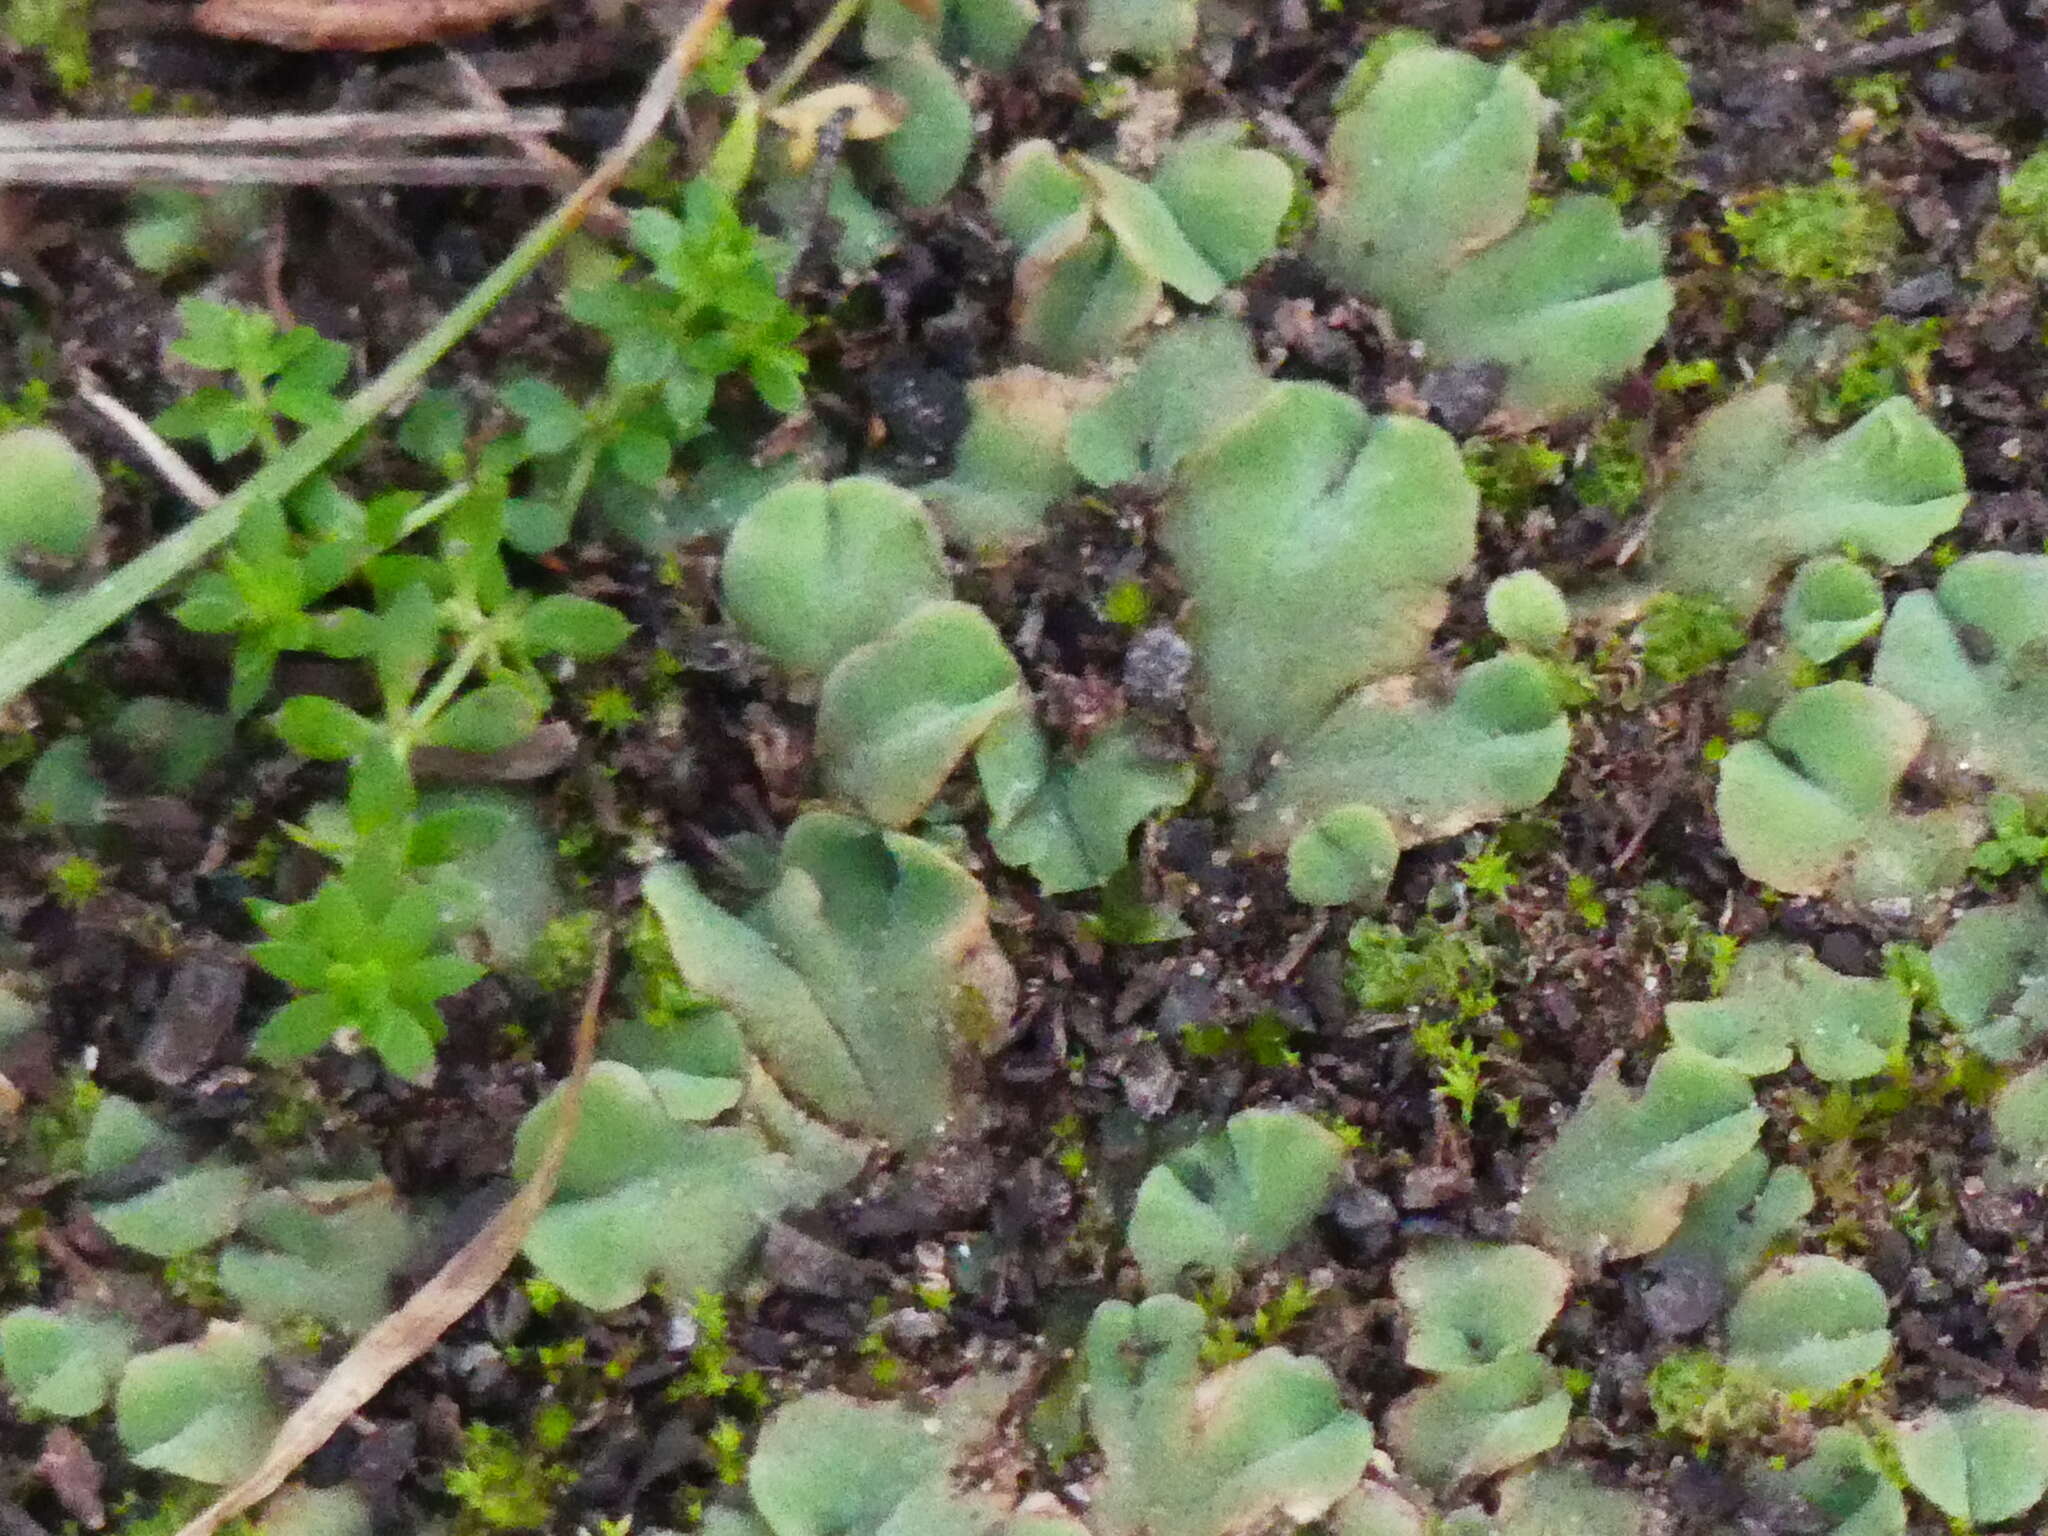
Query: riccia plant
(1980, 1464)
(1989, 973)
(1235, 1198)
(1965, 654)
(1756, 492)
(1427, 212)
(1616, 1179)
(1099, 248)
(1843, 1483)
(1366, 520)
(50, 499)
(1810, 806)
(1810, 1324)
(1475, 1312)
(1780, 997)
(845, 977)
(1262, 1440)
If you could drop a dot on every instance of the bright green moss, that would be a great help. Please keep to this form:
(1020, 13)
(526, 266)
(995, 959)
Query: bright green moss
(1681, 636)
(501, 1486)
(1616, 471)
(1512, 474)
(1625, 100)
(1823, 236)
(1893, 360)
(1429, 968)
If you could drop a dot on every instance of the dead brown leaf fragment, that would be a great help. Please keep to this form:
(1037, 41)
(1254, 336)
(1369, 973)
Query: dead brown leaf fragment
(356, 26)
(431, 1311)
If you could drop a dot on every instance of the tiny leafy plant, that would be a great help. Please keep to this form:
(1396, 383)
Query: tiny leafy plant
(1624, 101)
(1818, 237)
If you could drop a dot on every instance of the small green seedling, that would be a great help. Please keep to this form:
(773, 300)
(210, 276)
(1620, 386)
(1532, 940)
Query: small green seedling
(1810, 1324)
(1470, 1304)
(1430, 171)
(1263, 1437)
(1808, 807)
(1980, 1464)
(1233, 1199)
(1833, 605)
(365, 958)
(1780, 997)
(1616, 1180)
(1526, 609)
(1844, 1483)
(1989, 972)
(199, 1410)
(1965, 654)
(63, 1363)
(1756, 492)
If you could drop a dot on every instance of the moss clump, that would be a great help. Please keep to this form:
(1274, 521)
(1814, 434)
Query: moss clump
(61, 30)
(1893, 360)
(2015, 243)
(1429, 968)
(1626, 101)
(1823, 236)
(1707, 1401)
(501, 1486)
(1511, 474)
(1616, 469)
(1681, 636)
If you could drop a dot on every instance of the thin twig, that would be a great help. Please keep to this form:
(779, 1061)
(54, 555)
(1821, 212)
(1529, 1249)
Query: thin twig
(356, 128)
(165, 459)
(605, 216)
(120, 592)
(823, 36)
(124, 168)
